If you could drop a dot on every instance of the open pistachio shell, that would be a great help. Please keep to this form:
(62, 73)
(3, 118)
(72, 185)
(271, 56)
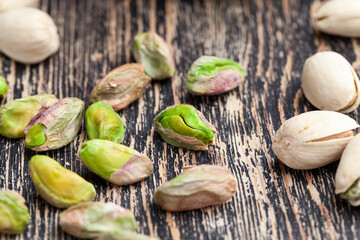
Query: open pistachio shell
(330, 83)
(121, 86)
(155, 55)
(6, 5)
(57, 185)
(313, 139)
(102, 122)
(212, 75)
(55, 127)
(115, 162)
(3, 90)
(17, 114)
(348, 172)
(184, 126)
(92, 219)
(196, 187)
(14, 215)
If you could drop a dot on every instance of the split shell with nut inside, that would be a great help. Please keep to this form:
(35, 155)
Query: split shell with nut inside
(313, 139)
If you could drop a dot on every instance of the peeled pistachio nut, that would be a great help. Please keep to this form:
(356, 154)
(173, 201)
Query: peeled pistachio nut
(6, 5)
(348, 172)
(28, 35)
(121, 86)
(337, 17)
(155, 55)
(55, 127)
(196, 187)
(184, 126)
(330, 83)
(122, 234)
(92, 219)
(57, 185)
(13, 211)
(102, 122)
(115, 162)
(313, 139)
(17, 114)
(212, 75)
(3, 90)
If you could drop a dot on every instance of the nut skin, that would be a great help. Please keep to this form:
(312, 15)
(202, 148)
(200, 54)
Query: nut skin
(340, 18)
(93, 219)
(330, 83)
(313, 139)
(3, 90)
(102, 122)
(28, 35)
(13, 211)
(196, 187)
(56, 126)
(184, 126)
(57, 185)
(210, 75)
(17, 114)
(155, 55)
(121, 86)
(115, 162)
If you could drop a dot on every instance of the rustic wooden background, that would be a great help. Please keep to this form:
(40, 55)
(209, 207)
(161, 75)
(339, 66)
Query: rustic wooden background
(271, 39)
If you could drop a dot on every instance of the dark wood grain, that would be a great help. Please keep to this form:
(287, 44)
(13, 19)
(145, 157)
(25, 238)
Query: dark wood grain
(271, 39)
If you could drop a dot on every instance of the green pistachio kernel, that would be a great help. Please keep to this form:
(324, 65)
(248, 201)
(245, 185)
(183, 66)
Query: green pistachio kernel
(17, 114)
(92, 219)
(58, 185)
(155, 54)
(115, 162)
(184, 126)
(353, 193)
(102, 122)
(3, 90)
(14, 215)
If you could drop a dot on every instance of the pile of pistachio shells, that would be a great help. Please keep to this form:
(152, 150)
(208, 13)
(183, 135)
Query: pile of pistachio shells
(48, 123)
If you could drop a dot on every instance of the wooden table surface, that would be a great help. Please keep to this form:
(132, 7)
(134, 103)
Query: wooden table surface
(270, 39)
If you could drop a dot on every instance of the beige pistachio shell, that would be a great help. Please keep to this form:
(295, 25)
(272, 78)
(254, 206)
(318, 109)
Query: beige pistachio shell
(6, 5)
(337, 17)
(330, 83)
(349, 168)
(313, 139)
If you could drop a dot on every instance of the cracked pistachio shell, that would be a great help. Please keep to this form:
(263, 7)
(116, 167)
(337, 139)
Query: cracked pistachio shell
(184, 126)
(330, 83)
(56, 126)
(17, 114)
(348, 172)
(102, 122)
(3, 90)
(92, 219)
(57, 185)
(14, 215)
(122, 234)
(313, 139)
(121, 86)
(115, 162)
(155, 55)
(212, 75)
(337, 17)
(196, 187)
(28, 35)
(6, 5)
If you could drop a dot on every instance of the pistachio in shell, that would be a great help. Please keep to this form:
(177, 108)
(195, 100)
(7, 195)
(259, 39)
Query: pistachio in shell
(57, 185)
(210, 75)
(196, 187)
(115, 162)
(102, 122)
(92, 219)
(155, 55)
(56, 126)
(14, 215)
(184, 126)
(3, 90)
(313, 139)
(121, 86)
